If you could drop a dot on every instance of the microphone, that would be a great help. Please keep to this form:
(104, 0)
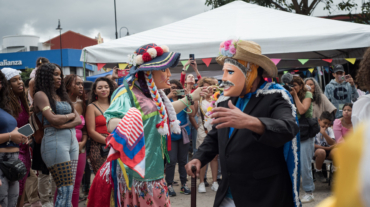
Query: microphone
(287, 79)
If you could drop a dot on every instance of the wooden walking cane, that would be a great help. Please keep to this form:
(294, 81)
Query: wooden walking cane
(194, 187)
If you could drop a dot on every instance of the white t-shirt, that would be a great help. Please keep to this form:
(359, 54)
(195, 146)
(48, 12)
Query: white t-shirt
(361, 110)
(320, 139)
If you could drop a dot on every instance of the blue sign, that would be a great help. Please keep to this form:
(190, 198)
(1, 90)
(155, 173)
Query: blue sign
(23, 60)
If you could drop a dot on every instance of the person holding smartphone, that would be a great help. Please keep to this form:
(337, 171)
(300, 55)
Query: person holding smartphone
(10, 139)
(190, 80)
(341, 90)
(19, 106)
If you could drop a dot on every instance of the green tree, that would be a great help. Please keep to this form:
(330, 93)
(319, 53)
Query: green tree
(363, 16)
(26, 74)
(297, 6)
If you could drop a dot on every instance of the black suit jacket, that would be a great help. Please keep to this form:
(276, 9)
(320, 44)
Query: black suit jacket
(252, 165)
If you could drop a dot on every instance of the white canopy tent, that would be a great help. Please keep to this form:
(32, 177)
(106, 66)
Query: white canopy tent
(282, 35)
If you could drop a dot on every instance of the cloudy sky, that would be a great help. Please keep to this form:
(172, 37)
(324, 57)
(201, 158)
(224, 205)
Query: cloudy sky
(89, 17)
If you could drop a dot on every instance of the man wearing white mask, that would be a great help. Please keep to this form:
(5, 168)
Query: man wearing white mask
(341, 90)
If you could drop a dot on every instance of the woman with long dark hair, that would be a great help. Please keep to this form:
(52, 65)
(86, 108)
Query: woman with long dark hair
(74, 88)
(10, 139)
(303, 101)
(20, 110)
(59, 146)
(96, 124)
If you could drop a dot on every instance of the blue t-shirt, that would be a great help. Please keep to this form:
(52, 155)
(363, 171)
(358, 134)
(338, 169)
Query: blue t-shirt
(7, 125)
(183, 118)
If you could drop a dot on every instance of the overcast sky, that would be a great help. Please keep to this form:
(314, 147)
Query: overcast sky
(89, 17)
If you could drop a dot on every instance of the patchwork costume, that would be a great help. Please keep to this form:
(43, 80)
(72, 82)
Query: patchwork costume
(257, 170)
(133, 174)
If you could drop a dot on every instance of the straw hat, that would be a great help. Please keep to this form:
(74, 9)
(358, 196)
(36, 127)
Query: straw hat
(248, 51)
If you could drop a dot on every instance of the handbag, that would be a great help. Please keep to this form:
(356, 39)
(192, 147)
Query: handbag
(308, 127)
(104, 151)
(13, 170)
(38, 126)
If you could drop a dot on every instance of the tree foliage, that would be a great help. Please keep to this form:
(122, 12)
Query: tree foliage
(26, 74)
(297, 6)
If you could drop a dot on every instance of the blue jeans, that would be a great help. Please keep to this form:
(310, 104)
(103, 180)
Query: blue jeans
(59, 150)
(307, 152)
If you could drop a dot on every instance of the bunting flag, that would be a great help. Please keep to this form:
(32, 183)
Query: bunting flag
(303, 61)
(285, 72)
(128, 142)
(292, 72)
(123, 73)
(327, 70)
(207, 61)
(320, 72)
(296, 71)
(276, 61)
(122, 66)
(311, 69)
(183, 62)
(304, 73)
(351, 60)
(100, 65)
(328, 60)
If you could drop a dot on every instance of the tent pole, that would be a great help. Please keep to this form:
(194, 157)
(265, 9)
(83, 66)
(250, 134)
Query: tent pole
(323, 75)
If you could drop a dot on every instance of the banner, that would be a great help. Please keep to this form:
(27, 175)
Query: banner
(303, 61)
(100, 65)
(351, 60)
(304, 73)
(207, 61)
(122, 66)
(328, 60)
(311, 70)
(183, 62)
(276, 61)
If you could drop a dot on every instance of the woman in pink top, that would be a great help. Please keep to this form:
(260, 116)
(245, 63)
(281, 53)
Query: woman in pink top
(343, 125)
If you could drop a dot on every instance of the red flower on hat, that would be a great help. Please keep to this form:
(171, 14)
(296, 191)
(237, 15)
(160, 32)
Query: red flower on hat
(146, 57)
(159, 51)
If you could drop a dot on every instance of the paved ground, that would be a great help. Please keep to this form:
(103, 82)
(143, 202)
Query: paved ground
(322, 191)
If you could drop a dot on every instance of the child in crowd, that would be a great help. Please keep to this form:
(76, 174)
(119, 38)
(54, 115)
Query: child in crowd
(324, 144)
(343, 125)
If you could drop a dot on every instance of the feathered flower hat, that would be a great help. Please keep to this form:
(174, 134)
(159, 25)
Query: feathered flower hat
(152, 57)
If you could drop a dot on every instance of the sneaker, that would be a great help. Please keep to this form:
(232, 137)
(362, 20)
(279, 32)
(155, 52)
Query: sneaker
(202, 188)
(175, 183)
(320, 177)
(171, 191)
(308, 197)
(185, 190)
(214, 186)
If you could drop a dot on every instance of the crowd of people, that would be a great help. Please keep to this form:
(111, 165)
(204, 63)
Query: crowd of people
(132, 136)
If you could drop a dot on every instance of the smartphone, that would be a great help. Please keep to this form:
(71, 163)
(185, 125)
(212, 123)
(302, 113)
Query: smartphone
(347, 77)
(191, 57)
(26, 130)
(180, 92)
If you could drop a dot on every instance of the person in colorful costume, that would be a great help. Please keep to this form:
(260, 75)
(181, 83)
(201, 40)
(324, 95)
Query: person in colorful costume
(254, 132)
(141, 119)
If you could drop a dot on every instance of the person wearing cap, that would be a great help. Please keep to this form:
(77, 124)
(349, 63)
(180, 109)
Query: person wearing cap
(254, 132)
(141, 119)
(341, 90)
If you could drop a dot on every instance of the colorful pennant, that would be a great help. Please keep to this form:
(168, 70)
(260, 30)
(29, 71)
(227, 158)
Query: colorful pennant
(296, 71)
(304, 72)
(320, 72)
(311, 69)
(328, 60)
(327, 70)
(285, 72)
(292, 72)
(303, 61)
(183, 62)
(100, 65)
(351, 60)
(276, 61)
(122, 66)
(207, 61)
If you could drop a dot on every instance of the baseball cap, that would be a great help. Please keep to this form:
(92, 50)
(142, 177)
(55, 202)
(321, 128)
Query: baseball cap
(338, 68)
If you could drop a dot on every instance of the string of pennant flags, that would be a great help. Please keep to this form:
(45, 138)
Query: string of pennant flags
(207, 62)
